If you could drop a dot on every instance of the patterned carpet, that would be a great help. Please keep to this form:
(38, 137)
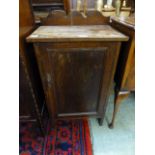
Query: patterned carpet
(70, 137)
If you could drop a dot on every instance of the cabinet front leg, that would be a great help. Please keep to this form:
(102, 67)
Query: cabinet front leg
(119, 96)
(51, 110)
(100, 121)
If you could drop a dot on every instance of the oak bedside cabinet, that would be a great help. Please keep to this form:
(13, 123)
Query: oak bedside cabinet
(77, 65)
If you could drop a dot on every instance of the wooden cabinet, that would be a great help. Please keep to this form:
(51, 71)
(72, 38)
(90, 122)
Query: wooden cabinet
(77, 65)
(48, 5)
(31, 95)
(125, 72)
(26, 108)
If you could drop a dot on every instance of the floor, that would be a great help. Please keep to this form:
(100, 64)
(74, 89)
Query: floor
(121, 139)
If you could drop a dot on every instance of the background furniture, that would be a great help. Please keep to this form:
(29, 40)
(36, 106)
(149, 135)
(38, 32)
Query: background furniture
(44, 8)
(125, 72)
(31, 96)
(48, 5)
(125, 12)
(76, 64)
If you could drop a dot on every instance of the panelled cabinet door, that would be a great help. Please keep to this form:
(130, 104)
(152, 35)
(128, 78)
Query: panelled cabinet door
(76, 79)
(78, 75)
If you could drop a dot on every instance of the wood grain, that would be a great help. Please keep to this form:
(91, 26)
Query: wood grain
(76, 33)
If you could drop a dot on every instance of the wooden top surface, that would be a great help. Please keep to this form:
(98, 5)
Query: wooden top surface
(127, 21)
(76, 33)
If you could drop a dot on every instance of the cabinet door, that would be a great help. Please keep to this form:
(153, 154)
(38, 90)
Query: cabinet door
(78, 78)
(78, 75)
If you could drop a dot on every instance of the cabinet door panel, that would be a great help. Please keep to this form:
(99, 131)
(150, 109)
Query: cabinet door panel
(77, 74)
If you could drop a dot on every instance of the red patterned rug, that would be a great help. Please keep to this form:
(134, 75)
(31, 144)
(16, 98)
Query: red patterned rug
(70, 137)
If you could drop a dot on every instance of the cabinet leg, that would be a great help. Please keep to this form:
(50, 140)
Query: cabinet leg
(100, 121)
(119, 96)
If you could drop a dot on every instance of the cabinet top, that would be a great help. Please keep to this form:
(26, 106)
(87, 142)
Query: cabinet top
(76, 33)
